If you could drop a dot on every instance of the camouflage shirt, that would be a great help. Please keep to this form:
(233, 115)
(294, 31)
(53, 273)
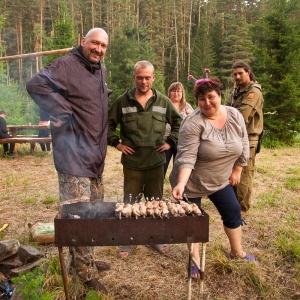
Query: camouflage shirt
(250, 104)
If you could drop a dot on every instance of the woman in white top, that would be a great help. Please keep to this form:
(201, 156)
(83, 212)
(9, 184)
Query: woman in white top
(212, 148)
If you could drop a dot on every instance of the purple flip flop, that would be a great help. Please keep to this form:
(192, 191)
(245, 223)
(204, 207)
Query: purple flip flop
(195, 273)
(246, 257)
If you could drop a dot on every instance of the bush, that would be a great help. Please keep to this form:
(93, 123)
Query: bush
(30, 285)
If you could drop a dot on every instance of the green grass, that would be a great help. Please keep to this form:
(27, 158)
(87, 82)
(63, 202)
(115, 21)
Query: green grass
(293, 183)
(287, 243)
(271, 198)
(271, 234)
(30, 201)
(30, 285)
(50, 199)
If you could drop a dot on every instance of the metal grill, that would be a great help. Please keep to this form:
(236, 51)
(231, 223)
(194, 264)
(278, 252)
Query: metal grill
(95, 224)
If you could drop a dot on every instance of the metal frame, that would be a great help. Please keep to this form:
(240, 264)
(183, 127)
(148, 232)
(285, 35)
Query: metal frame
(92, 229)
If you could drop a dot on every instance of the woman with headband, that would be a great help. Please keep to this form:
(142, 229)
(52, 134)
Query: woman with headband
(213, 147)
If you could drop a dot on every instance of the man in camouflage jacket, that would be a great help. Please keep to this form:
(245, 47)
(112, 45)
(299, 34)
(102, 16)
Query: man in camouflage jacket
(248, 99)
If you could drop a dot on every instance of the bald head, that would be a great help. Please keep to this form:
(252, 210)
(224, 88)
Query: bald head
(94, 44)
(94, 31)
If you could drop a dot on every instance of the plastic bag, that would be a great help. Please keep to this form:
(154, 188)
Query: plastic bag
(43, 233)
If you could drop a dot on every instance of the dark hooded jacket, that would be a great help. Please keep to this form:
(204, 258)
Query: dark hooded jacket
(75, 91)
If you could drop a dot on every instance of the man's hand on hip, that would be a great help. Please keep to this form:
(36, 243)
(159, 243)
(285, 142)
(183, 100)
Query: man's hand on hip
(125, 149)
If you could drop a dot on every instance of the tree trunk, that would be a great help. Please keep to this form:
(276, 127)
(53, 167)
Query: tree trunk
(20, 46)
(138, 18)
(93, 15)
(189, 38)
(176, 42)
(39, 60)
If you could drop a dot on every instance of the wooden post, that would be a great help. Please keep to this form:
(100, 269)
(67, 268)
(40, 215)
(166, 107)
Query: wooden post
(36, 54)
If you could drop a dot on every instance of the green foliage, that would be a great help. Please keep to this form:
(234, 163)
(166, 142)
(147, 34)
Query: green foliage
(203, 50)
(277, 60)
(19, 107)
(30, 285)
(124, 52)
(288, 244)
(64, 36)
(270, 143)
(236, 45)
(264, 33)
(93, 295)
(53, 266)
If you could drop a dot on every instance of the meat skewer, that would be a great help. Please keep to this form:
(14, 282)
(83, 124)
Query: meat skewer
(118, 209)
(149, 204)
(127, 210)
(196, 210)
(143, 209)
(164, 209)
(181, 211)
(136, 210)
(187, 207)
(150, 212)
(172, 208)
(155, 203)
(156, 207)
(162, 203)
(157, 211)
(165, 212)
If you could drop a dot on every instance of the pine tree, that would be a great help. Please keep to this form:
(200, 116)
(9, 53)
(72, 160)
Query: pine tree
(278, 56)
(63, 35)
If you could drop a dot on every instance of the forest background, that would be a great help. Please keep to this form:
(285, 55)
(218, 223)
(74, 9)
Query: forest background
(180, 37)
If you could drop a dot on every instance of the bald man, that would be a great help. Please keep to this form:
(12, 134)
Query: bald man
(73, 91)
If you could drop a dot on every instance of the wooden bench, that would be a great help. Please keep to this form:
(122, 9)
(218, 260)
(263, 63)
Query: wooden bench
(26, 139)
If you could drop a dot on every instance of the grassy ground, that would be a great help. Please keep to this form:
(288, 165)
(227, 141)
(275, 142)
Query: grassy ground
(29, 193)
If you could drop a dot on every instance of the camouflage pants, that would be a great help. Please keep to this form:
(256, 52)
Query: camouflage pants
(81, 189)
(83, 262)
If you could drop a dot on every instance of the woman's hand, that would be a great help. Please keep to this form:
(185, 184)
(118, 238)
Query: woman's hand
(177, 192)
(235, 176)
(182, 179)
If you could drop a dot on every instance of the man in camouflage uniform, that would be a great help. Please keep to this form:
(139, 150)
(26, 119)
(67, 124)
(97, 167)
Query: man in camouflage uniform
(248, 99)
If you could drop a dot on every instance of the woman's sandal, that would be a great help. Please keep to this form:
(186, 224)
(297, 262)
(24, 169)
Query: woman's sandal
(246, 257)
(195, 273)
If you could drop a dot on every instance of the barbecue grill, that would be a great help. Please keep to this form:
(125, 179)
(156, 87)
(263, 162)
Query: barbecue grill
(95, 224)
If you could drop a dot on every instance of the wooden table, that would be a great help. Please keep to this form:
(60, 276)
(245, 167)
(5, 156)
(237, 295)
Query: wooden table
(14, 130)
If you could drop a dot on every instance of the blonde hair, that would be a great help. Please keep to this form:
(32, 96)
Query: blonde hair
(143, 64)
(173, 87)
